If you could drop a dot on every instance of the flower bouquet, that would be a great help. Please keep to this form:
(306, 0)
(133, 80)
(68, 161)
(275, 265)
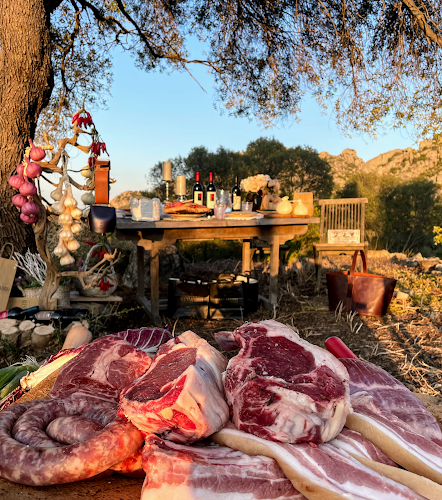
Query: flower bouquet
(262, 190)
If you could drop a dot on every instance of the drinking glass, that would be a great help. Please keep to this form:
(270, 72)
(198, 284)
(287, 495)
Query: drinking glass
(220, 212)
(247, 206)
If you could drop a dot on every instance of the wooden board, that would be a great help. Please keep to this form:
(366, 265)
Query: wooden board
(285, 216)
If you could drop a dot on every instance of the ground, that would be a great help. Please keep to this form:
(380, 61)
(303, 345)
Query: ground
(406, 342)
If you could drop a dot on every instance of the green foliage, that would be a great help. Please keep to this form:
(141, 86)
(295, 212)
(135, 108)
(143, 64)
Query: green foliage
(400, 215)
(297, 169)
(205, 251)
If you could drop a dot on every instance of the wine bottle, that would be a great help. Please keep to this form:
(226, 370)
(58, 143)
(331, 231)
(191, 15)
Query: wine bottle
(210, 193)
(198, 191)
(236, 195)
(19, 313)
(60, 314)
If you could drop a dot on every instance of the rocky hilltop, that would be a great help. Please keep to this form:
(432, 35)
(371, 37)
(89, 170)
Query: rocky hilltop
(406, 163)
(123, 199)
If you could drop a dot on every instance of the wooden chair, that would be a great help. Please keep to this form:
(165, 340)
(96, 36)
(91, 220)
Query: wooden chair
(342, 230)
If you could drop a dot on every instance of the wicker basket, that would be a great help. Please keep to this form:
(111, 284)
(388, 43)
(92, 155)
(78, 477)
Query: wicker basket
(110, 276)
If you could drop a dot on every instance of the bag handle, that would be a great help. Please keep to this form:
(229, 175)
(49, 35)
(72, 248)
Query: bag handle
(3, 249)
(351, 275)
(355, 259)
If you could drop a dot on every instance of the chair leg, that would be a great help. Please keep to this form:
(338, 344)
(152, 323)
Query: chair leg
(318, 268)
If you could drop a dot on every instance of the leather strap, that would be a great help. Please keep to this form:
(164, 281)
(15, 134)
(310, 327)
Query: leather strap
(351, 276)
(101, 176)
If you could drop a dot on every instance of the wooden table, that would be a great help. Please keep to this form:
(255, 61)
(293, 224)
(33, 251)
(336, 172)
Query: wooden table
(154, 236)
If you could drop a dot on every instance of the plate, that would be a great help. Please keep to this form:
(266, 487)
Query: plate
(266, 211)
(187, 216)
(241, 215)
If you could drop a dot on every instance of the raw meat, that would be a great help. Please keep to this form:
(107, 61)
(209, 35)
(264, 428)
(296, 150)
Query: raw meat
(354, 443)
(175, 471)
(282, 388)
(181, 395)
(101, 370)
(78, 428)
(392, 396)
(48, 463)
(145, 339)
(319, 471)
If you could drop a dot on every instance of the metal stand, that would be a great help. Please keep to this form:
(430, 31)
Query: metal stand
(167, 190)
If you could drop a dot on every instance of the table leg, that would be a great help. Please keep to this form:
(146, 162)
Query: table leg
(274, 270)
(245, 256)
(156, 319)
(155, 282)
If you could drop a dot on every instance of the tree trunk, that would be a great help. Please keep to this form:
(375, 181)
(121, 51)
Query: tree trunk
(26, 83)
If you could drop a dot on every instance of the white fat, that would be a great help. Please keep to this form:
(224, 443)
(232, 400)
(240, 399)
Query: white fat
(435, 462)
(315, 473)
(184, 492)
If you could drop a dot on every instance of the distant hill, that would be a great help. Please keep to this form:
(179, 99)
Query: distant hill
(407, 163)
(123, 199)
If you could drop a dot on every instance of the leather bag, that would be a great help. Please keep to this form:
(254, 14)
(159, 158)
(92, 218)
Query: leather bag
(364, 293)
(102, 219)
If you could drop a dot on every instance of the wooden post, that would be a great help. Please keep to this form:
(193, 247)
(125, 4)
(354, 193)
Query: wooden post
(245, 256)
(274, 270)
(155, 282)
(140, 271)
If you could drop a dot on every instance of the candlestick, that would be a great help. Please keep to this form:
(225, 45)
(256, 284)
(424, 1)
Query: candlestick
(167, 171)
(181, 185)
(167, 190)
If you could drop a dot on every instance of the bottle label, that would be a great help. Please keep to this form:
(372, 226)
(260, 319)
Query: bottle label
(198, 197)
(211, 199)
(236, 202)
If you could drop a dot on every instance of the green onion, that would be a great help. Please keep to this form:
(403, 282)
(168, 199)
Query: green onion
(13, 384)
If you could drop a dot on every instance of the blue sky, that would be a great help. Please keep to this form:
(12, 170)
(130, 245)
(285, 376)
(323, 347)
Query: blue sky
(153, 117)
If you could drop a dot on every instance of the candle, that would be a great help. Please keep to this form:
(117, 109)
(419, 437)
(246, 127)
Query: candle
(181, 185)
(167, 171)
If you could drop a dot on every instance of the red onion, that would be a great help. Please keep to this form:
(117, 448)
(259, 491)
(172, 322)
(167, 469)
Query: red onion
(28, 189)
(16, 181)
(30, 208)
(19, 200)
(33, 170)
(28, 219)
(20, 169)
(37, 154)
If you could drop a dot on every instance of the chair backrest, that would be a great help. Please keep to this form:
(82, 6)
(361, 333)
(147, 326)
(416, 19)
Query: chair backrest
(342, 214)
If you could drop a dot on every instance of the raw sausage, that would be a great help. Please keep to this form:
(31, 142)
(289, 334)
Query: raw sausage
(39, 466)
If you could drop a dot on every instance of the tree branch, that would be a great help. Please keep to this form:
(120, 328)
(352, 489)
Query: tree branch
(101, 272)
(422, 22)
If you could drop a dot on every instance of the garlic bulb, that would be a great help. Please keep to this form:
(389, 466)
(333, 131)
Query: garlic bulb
(67, 260)
(66, 233)
(88, 198)
(60, 250)
(76, 213)
(58, 192)
(87, 172)
(65, 218)
(70, 200)
(76, 228)
(73, 245)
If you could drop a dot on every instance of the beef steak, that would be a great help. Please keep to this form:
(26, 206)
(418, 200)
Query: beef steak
(102, 369)
(181, 395)
(282, 388)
